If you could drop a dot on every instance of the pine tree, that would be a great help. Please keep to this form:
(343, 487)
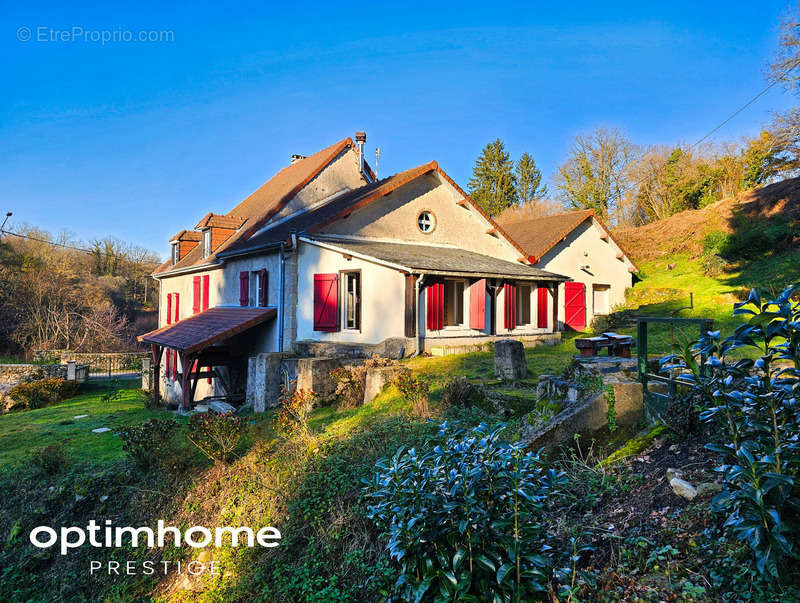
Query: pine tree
(529, 180)
(493, 183)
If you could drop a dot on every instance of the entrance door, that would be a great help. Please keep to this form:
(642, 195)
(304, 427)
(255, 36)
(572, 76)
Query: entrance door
(575, 306)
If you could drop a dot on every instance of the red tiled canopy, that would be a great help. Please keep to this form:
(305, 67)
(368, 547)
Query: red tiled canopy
(207, 328)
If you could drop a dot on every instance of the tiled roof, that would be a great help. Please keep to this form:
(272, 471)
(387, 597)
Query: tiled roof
(265, 202)
(440, 260)
(537, 236)
(344, 204)
(212, 219)
(208, 327)
(187, 235)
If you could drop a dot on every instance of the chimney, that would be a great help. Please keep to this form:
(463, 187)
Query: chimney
(296, 158)
(361, 138)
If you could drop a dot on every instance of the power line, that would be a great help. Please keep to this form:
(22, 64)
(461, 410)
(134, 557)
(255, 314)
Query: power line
(711, 132)
(30, 238)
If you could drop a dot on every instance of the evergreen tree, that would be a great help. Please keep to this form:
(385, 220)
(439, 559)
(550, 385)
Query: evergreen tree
(529, 180)
(493, 183)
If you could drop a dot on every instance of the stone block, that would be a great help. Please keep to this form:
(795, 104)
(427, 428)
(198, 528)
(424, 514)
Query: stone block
(378, 377)
(313, 374)
(509, 360)
(263, 381)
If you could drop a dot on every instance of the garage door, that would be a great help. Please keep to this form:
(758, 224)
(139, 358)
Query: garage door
(575, 306)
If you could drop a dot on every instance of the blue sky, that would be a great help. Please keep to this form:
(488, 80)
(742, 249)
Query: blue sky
(140, 139)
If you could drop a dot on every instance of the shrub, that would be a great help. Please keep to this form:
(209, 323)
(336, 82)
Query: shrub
(459, 392)
(292, 416)
(755, 406)
(351, 381)
(148, 443)
(464, 521)
(35, 394)
(350, 384)
(216, 435)
(415, 391)
(50, 459)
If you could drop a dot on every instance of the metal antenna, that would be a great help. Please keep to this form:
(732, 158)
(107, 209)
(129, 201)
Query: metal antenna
(377, 155)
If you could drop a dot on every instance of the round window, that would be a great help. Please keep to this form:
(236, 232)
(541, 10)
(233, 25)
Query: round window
(426, 221)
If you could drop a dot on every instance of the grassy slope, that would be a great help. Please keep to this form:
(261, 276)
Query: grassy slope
(21, 432)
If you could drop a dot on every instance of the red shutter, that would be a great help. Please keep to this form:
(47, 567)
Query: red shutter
(477, 304)
(175, 365)
(541, 308)
(205, 292)
(510, 302)
(434, 311)
(262, 292)
(169, 308)
(326, 302)
(195, 295)
(244, 288)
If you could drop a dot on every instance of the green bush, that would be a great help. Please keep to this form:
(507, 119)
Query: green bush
(35, 394)
(149, 443)
(755, 406)
(460, 392)
(464, 520)
(216, 435)
(50, 459)
(415, 391)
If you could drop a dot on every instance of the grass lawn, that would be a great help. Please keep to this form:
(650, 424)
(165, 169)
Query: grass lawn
(22, 432)
(664, 291)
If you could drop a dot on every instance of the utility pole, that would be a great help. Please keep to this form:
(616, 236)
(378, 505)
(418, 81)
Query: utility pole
(3, 225)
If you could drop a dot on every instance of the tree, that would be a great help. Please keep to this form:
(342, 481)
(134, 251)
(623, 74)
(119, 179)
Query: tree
(784, 65)
(493, 184)
(529, 181)
(597, 171)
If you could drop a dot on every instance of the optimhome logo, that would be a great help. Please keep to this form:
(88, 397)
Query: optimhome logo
(109, 536)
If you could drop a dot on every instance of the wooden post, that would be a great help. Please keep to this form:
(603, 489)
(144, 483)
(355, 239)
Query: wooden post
(186, 373)
(156, 351)
(555, 308)
(641, 335)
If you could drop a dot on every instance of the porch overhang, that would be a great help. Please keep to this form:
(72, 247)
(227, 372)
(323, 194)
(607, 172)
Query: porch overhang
(211, 326)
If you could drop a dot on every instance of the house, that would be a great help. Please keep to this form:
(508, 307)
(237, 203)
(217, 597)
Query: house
(326, 260)
(576, 244)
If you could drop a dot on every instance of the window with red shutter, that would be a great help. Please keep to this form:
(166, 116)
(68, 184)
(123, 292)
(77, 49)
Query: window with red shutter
(434, 311)
(169, 308)
(510, 302)
(262, 288)
(326, 302)
(244, 288)
(205, 292)
(195, 295)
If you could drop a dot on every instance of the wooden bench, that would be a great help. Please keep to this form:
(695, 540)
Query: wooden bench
(618, 345)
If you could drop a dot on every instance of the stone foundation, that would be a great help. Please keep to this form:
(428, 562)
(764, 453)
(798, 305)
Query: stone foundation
(396, 348)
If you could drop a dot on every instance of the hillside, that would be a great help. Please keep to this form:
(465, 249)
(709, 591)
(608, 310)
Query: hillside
(684, 232)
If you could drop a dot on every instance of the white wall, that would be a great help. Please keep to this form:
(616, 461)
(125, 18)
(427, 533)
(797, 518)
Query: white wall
(582, 247)
(382, 297)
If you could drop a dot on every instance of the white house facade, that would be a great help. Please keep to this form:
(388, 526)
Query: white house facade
(324, 258)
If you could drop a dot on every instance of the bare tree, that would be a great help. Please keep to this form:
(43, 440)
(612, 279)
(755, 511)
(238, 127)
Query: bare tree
(783, 67)
(597, 172)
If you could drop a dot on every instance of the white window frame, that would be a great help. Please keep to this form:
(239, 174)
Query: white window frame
(176, 252)
(531, 317)
(434, 221)
(253, 285)
(464, 308)
(359, 301)
(206, 242)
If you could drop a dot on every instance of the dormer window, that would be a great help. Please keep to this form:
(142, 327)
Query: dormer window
(206, 242)
(176, 253)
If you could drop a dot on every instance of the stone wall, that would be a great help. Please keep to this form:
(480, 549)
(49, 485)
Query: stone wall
(395, 348)
(14, 374)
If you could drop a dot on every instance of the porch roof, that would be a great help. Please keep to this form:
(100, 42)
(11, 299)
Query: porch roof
(207, 328)
(430, 259)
